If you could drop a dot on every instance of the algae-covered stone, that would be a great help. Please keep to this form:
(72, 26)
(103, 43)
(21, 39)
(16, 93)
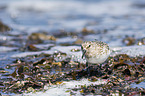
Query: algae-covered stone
(41, 36)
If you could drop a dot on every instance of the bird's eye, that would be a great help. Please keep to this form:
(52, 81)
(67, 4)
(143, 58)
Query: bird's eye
(89, 46)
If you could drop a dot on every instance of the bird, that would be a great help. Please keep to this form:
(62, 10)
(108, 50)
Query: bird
(95, 52)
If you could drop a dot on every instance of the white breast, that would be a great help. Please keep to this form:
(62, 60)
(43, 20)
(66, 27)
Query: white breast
(98, 59)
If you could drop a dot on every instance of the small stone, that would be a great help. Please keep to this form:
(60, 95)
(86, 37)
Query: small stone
(129, 41)
(85, 31)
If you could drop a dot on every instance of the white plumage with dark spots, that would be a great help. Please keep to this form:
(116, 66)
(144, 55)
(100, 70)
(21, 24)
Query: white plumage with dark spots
(95, 52)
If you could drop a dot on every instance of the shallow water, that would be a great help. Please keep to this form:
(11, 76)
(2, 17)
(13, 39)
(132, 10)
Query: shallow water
(110, 20)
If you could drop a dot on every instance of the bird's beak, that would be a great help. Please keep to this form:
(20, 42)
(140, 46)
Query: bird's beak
(84, 51)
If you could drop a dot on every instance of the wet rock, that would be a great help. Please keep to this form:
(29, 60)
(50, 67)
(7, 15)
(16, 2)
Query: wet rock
(136, 74)
(127, 72)
(129, 41)
(141, 41)
(94, 71)
(89, 72)
(4, 28)
(31, 47)
(21, 72)
(14, 74)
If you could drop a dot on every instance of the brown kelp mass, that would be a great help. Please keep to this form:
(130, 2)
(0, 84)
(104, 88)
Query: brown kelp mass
(30, 75)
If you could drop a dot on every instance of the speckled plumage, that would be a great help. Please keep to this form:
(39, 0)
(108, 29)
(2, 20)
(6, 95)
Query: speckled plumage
(95, 52)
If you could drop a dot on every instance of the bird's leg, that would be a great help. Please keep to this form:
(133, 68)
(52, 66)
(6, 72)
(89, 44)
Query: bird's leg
(100, 66)
(87, 69)
(86, 64)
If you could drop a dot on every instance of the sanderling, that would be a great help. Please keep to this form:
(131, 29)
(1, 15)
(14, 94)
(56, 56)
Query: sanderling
(95, 52)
